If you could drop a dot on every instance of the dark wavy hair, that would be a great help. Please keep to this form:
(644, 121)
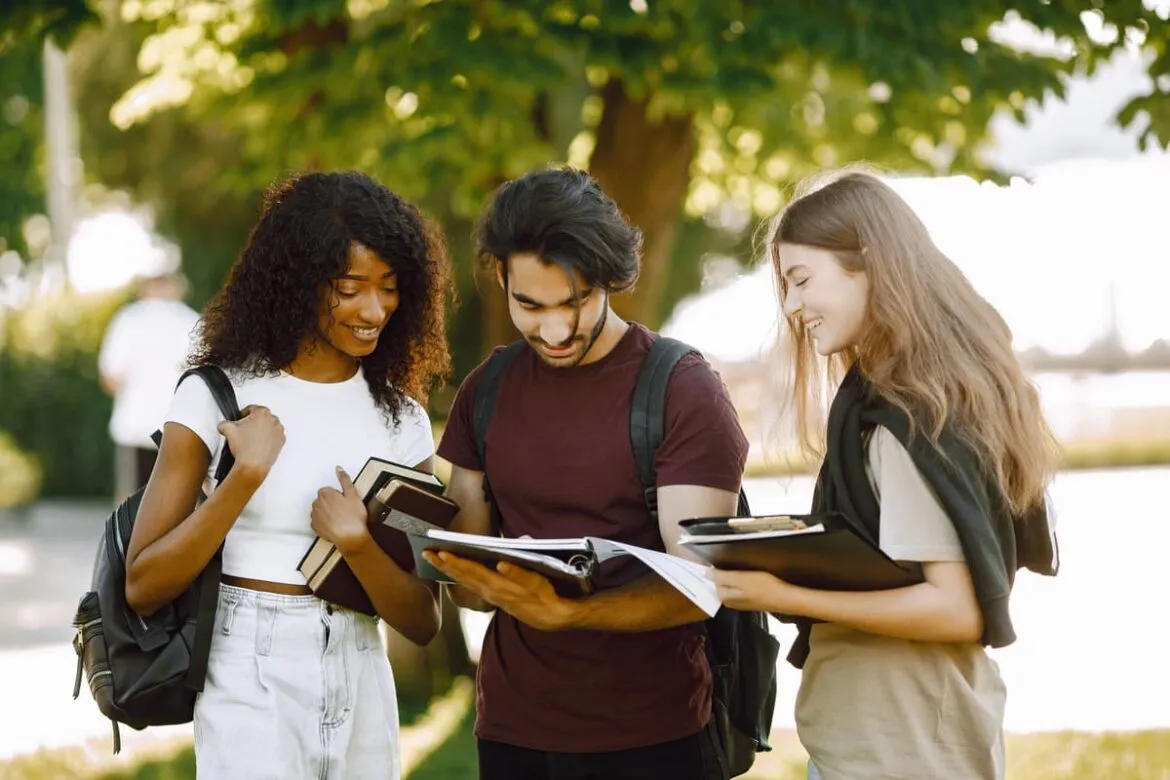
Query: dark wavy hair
(271, 301)
(561, 215)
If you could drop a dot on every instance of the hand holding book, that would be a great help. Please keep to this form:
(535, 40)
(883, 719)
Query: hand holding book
(340, 517)
(388, 499)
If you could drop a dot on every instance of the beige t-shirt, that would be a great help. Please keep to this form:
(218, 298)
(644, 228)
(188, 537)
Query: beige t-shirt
(880, 708)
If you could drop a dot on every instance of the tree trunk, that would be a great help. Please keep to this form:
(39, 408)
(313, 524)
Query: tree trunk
(645, 167)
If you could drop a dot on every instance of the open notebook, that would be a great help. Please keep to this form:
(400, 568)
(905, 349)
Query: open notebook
(571, 564)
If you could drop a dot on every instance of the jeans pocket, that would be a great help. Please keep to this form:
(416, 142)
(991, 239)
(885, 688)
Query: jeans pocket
(365, 631)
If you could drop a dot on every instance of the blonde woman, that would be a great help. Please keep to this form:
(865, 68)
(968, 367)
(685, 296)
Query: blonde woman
(935, 448)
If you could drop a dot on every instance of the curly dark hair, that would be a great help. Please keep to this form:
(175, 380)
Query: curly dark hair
(271, 301)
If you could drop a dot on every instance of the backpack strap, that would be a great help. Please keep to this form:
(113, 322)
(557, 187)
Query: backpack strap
(648, 416)
(486, 391)
(648, 412)
(225, 398)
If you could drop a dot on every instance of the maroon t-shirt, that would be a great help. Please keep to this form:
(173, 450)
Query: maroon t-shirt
(561, 465)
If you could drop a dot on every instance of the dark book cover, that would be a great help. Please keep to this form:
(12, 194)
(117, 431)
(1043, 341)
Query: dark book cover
(820, 558)
(397, 508)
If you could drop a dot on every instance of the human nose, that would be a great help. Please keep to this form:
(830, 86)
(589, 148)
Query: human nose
(790, 302)
(556, 328)
(374, 310)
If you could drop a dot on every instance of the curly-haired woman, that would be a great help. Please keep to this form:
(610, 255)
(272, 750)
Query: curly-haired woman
(330, 325)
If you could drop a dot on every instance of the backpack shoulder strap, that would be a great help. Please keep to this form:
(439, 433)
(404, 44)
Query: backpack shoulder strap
(225, 398)
(648, 411)
(486, 391)
(648, 416)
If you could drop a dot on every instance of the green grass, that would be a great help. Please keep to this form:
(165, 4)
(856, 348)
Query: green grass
(455, 759)
(1066, 755)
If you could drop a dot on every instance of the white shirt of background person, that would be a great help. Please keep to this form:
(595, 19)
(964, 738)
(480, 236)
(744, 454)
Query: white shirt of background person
(142, 356)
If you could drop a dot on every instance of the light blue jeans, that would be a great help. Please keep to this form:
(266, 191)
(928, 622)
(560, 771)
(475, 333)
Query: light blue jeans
(296, 688)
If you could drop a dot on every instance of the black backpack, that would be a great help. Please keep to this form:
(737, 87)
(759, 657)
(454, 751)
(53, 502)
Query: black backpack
(146, 671)
(741, 650)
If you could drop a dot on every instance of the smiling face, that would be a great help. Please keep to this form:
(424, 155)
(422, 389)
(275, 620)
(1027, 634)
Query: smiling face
(565, 326)
(358, 304)
(822, 297)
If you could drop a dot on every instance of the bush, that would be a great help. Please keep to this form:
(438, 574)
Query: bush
(53, 407)
(20, 475)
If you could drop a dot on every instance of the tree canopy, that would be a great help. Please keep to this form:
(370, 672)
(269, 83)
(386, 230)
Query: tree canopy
(693, 115)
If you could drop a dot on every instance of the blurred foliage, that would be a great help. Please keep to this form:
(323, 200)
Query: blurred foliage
(679, 107)
(24, 26)
(53, 405)
(696, 116)
(20, 475)
(22, 190)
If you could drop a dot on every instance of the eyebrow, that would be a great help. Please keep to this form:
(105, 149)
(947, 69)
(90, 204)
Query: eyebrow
(360, 278)
(796, 267)
(522, 298)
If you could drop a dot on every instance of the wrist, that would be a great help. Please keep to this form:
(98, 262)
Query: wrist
(356, 543)
(247, 477)
(787, 599)
(568, 614)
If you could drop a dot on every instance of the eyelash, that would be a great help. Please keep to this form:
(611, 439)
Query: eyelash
(348, 295)
(801, 283)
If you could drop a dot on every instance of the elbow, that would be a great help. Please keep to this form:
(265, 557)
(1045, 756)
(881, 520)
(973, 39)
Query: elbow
(138, 596)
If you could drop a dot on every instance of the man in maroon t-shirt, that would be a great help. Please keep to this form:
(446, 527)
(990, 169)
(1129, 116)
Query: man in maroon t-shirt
(614, 685)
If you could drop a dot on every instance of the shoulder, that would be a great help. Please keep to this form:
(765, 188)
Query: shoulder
(122, 324)
(470, 384)
(413, 414)
(695, 376)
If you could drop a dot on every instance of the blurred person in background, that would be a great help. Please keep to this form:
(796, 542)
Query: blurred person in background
(140, 361)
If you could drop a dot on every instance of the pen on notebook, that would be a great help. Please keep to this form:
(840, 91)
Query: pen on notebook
(768, 523)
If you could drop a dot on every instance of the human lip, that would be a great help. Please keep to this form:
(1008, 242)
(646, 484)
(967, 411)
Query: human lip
(559, 351)
(813, 324)
(366, 334)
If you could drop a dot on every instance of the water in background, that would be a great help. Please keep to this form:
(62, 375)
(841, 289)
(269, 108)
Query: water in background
(1092, 641)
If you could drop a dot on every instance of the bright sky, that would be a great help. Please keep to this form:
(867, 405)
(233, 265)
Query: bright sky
(1045, 254)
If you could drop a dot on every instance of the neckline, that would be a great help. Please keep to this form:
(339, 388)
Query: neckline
(357, 376)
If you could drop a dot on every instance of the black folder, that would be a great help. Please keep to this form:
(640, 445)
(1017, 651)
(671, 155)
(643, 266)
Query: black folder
(828, 555)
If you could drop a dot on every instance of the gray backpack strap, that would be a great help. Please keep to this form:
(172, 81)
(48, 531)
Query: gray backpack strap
(648, 411)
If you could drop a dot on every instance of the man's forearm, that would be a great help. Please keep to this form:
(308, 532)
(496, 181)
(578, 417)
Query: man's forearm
(646, 604)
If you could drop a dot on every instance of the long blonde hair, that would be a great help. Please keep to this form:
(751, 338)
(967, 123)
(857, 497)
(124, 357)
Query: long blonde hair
(932, 346)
